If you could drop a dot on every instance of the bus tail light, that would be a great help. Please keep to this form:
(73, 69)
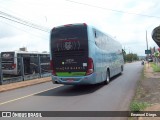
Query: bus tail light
(90, 66)
(13, 66)
(52, 67)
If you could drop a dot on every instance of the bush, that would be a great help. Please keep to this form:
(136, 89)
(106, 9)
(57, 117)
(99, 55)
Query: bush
(155, 67)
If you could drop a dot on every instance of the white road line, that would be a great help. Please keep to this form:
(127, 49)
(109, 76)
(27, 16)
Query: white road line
(28, 95)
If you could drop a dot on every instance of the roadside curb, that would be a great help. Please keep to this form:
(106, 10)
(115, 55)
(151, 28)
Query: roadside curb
(16, 85)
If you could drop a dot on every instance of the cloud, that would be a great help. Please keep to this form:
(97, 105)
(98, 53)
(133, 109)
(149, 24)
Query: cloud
(6, 30)
(25, 40)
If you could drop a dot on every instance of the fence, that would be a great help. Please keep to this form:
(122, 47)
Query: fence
(23, 68)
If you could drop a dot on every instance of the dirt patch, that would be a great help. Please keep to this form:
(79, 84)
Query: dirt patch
(150, 88)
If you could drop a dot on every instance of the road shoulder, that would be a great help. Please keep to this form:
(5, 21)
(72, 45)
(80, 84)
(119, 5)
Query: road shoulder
(148, 91)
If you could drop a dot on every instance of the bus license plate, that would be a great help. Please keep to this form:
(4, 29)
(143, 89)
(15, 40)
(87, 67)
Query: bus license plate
(70, 80)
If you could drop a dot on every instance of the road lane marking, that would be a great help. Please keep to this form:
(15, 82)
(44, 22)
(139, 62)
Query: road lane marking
(29, 95)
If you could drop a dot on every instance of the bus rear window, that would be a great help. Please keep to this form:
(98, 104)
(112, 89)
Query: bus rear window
(7, 60)
(7, 57)
(69, 38)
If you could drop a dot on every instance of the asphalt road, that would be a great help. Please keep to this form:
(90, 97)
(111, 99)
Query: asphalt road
(115, 96)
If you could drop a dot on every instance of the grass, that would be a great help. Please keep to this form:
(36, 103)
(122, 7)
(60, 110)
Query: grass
(136, 106)
(155, 67)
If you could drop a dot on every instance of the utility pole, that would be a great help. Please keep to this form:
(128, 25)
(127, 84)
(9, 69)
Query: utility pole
(147, 49)
(147, 44)
(146, 40)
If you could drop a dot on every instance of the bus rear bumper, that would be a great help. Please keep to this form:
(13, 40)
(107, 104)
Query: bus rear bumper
(79, 80)
(10, 72)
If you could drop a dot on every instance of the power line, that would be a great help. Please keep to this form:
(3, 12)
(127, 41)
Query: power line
(119, 11)
(23, 22)
(11, 16)
(25, 30)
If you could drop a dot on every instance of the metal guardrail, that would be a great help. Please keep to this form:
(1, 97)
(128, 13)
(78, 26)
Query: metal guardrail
(38, 68)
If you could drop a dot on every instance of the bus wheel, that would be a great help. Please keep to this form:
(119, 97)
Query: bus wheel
(107, 78)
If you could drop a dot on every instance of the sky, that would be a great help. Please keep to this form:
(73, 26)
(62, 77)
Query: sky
(125, 20)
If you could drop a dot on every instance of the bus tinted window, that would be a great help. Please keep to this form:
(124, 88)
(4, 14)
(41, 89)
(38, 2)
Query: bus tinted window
(69, 38)
(7, 60)
(7, 57)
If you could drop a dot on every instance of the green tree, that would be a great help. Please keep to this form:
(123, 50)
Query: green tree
(124, 55)
(131, 57)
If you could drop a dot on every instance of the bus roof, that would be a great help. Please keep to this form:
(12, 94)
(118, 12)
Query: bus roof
(86, 24)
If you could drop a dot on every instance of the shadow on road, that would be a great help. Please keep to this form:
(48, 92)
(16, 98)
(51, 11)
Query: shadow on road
(116, 76)
(69, 90)
(74, 90)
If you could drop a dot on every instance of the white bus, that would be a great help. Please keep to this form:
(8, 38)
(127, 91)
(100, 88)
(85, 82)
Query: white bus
(12, 62)
(81, 54)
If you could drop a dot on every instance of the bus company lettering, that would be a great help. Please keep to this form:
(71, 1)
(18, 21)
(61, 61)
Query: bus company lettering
(70, 68)
(69, 61)
(6, 55)
(68, 45)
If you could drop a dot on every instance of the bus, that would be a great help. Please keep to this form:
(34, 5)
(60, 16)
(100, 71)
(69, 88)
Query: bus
(12, 62)
(81, 54)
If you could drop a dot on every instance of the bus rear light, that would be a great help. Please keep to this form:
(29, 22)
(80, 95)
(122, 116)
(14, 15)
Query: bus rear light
(53, 73)
(89, 71)
(13, 66)
(52, 68)
(84, 24)
(90, 67)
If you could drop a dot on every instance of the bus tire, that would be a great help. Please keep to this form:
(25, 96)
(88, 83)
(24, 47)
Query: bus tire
(107, 77)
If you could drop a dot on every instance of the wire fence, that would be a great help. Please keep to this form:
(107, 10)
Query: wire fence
(23, 68)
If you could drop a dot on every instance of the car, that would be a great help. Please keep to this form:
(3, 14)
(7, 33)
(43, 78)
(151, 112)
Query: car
(150, 60)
